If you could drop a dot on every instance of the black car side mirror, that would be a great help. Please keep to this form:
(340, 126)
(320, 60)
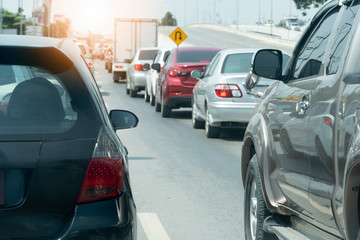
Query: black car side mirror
(122, 119)
(197, 74)
(146, 66)
(156, 66)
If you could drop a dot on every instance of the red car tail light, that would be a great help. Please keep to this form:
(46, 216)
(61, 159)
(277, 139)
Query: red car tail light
(139, 67)
(174, 73)
(228, 91)
(104, 177)
(327, 121)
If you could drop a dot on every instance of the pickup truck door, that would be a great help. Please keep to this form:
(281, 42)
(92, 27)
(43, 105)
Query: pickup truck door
(299, 100)
(325, 164)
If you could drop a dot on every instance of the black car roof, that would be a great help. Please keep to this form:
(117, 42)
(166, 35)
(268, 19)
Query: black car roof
(65, 45)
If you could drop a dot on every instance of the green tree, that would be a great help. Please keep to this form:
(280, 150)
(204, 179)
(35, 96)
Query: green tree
(306, 4)
(12, 20)
(168, 20)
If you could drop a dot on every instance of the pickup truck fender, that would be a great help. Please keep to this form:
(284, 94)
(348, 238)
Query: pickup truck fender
(256, 141)
(350, 218)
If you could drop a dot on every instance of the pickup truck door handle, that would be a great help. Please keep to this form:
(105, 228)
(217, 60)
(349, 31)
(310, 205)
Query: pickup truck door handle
(304, 104)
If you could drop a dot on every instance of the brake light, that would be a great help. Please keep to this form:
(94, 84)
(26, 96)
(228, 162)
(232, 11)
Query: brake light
(119, 67)
(327, 121)
(90, 65)
(228, 91)
(139, 67)
(104, 177)
(174, 73)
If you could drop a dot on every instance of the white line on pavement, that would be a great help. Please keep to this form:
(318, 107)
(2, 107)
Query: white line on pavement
(152, 226)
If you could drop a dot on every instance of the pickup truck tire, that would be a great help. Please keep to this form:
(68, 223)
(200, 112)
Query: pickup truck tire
(255, 210)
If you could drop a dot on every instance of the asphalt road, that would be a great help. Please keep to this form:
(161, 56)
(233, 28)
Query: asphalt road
(186, 187)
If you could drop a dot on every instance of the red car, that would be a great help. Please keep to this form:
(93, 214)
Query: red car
(175, 85)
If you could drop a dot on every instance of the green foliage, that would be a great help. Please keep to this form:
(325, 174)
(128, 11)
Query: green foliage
(168, 20)
(12, 20)
(305, 4)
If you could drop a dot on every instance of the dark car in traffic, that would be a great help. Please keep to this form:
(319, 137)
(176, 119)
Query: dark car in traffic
(175, 83)
(63, 170)
(300, 156)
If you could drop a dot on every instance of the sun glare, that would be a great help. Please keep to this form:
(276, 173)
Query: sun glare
(92, 15)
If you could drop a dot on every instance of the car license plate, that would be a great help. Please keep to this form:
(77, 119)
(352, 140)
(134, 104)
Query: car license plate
(2, 187)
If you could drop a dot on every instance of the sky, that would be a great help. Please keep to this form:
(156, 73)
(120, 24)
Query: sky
(97, 15)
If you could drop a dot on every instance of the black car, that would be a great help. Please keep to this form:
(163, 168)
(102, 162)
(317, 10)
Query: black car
(63, 170)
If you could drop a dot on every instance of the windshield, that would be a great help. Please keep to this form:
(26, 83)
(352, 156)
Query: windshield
(195, 56)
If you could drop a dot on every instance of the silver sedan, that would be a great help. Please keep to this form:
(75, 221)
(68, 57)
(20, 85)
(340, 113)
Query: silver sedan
(220, 98)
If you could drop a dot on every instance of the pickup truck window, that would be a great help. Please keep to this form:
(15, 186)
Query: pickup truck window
(310, 57)
(341, 36)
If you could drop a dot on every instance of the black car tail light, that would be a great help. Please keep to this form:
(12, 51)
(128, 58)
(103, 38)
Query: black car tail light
(228, 91)
(104, 177)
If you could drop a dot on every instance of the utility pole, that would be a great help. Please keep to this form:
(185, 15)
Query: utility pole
(20, 14)
(271, 16)
(197, 11)
(184, 13)
(214, 11)
(1, 17)
(237, 13)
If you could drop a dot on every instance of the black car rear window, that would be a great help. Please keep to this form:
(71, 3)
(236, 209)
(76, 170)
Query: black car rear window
(147, 54)
(195, 56)
(43, 99)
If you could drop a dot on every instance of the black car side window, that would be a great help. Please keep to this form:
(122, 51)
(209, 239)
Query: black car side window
(311, 55)
(341, 37)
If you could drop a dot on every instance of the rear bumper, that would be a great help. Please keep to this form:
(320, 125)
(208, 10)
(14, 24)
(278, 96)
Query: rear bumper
(238, 112)
(178, 102)
(138, 80)
(178, 95)
(110, 219)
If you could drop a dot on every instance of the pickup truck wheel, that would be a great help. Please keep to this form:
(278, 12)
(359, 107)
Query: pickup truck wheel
(197, 124)
(255, 210)
(210, 131)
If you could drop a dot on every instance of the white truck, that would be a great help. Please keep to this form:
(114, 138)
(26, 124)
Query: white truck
(130, 35)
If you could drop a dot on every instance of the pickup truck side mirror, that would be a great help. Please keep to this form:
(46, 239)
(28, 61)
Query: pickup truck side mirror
(156, 66)
(266, 63)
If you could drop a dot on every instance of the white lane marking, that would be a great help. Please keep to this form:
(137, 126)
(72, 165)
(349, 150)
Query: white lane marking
(152, 226)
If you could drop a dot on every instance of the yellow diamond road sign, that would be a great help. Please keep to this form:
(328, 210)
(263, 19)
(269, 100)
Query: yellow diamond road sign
(178, 36)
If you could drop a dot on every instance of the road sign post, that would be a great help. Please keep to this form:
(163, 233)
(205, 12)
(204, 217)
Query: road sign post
(178, 36)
